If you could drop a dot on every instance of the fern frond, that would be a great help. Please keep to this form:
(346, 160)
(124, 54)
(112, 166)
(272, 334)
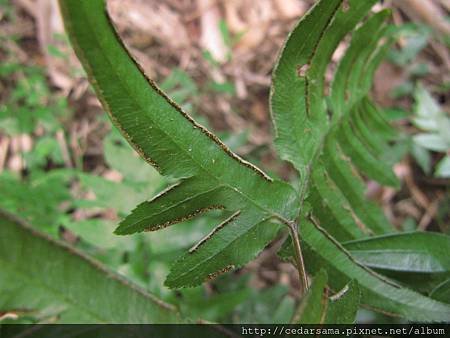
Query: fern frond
(210, 175)
(325, 138)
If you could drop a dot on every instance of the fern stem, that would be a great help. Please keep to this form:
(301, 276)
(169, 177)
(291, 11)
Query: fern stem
(293, 227)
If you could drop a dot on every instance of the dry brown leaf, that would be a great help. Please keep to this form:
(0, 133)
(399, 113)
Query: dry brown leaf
(426, 11)
(4, 145)
(289, 9)
(151, 18)
(258, 16)
(211, 37)
(49, 27)
(235, 24)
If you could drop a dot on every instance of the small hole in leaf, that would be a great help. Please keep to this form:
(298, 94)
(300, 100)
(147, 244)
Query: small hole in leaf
(345, 6)
(301, 70)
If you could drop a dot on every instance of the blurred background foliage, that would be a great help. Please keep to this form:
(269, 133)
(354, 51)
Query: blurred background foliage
(64, 167)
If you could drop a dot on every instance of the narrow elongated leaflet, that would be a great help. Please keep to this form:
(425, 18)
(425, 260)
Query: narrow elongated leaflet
(376, 292)
(211, 176)
(336, 214)
(379, 293)
(297, 93)
(352, 66)
(364, 160)
(423, 252)
(343, 137)
(299, 111)
(340, 169)
(295, 136)
(40, 273)
(375, 142)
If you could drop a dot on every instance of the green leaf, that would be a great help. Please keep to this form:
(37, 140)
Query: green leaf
(297, 104)
(215, 308)
(307, 139)
(363, 159)
(377, 293)
(284, 310)
(97, 232)
(424, 252)
(352, 114)
(376, 121)
(267, 306)
(417, 281)
(355, 66)
(210, 175)
(318, 148)
(289, 105)
(415, 39)
(37, 199)
(313, 307)
(431, 118)
(343, 306)
(110, 194)
(39, 272)
(422, 157)
(221, 255)
(374, 141)
(121, 157)
(344, 175)
(431, 141)
(442, 292)
(46, 148)
(443, 168)
(336, 214)
(427, 111)
(403, 90)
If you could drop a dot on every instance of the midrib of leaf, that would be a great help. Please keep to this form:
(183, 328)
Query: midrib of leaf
(175, 206)
(342, 249)
(135, 101)
(193, 267)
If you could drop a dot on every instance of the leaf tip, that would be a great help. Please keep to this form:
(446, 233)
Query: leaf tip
(121, 230)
